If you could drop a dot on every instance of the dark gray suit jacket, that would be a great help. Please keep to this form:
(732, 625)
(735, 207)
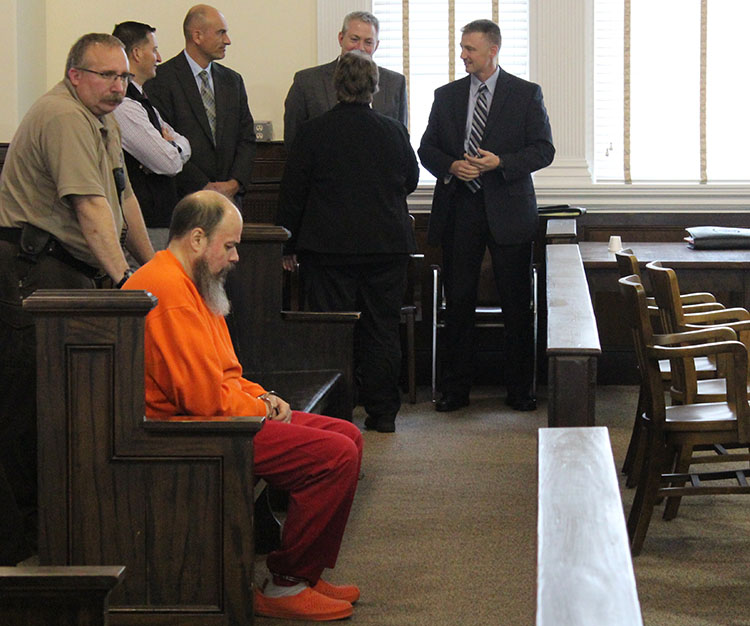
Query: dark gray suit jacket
(517, 130)
(175, 94)
(312, 94)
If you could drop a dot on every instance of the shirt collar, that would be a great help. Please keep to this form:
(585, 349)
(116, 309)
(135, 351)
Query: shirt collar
(196, 69)
(490, 82)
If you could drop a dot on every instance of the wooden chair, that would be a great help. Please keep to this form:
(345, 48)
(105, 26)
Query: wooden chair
(488, 312)
(679, 429)
(627, 264)
(687, 386)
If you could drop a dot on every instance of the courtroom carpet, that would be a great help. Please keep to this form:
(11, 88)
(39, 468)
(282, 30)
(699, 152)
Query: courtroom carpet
(443, 528)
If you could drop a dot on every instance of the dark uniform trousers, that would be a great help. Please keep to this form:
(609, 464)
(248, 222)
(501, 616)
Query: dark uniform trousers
(18, 488)
(376, 289)
(465, 239)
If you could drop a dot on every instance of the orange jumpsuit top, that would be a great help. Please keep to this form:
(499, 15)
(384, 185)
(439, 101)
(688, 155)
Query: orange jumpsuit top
(191, 366)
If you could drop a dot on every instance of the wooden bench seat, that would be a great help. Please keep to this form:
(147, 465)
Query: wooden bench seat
(584, 568)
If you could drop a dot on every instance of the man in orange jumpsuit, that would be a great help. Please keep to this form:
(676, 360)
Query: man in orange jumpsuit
(191, 369)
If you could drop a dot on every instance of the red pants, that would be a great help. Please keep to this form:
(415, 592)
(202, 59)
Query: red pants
(317, 460)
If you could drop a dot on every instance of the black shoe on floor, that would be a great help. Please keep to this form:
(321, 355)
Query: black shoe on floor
(381, 424)
(451, 403)
(521, 403)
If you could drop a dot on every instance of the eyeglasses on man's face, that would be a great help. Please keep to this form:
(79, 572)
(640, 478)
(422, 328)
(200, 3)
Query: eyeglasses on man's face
(110, 75)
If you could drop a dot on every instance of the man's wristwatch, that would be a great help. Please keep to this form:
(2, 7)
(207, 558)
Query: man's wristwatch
(128, 273)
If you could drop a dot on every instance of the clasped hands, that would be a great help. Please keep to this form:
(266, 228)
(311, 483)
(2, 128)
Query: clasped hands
(277, 409)
(471, 167)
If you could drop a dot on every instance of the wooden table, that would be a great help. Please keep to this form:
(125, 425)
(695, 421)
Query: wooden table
(725, 273)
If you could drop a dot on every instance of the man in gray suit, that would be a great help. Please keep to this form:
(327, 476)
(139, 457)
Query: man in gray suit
(312, 92)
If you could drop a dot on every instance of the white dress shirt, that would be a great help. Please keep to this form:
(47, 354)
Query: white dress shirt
(146, 144)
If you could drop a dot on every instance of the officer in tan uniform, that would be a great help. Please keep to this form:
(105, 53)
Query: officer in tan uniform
(66, 210)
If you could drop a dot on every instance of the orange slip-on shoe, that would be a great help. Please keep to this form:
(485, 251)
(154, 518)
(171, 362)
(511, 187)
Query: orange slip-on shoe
(306, 605)
(350, 593)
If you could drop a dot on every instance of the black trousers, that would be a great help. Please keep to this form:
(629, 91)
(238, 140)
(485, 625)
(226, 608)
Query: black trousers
(18, 470)
(376, 289)
(465, 240)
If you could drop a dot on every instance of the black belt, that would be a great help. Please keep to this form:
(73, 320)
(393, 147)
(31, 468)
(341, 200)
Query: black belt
(55, 250)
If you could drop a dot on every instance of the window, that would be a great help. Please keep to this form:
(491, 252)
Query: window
(428, 54)
(668, 98)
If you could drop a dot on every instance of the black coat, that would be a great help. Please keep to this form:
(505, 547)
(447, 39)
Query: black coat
(345, 184)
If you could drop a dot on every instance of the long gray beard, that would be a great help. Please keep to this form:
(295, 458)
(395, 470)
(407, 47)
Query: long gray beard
(211, 288)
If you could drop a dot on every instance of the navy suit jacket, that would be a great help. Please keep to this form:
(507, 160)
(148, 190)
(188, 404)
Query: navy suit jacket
(175, 94)
(312, 94)
(517, 131)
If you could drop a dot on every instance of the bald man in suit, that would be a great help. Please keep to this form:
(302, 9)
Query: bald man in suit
(484, 198)
(222, 139)
(312, 92)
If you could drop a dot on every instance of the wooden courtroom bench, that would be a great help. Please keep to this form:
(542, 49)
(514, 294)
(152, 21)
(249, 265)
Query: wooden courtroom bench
(172, 500)
(572, 340)
(563, 230)
(584, 567)
(300, 355)
(57, 596)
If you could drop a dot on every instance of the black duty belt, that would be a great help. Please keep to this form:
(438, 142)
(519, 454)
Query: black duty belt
(54, 249)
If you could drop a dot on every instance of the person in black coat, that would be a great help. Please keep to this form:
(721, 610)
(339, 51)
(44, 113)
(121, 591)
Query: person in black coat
(343, 198)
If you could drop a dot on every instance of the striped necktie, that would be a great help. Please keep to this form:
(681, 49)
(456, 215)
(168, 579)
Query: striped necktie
(208, 103)
(478, 123)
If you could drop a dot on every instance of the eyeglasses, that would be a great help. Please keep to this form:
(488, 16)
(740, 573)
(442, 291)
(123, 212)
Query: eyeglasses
(109, 75)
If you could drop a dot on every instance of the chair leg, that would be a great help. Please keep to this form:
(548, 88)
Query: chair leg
(681, 466)
(646, 493)
(411, 358)
(630, 455)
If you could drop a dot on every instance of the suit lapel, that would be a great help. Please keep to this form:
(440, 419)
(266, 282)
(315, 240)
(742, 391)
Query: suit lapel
(502, 91)
(460, 105)
(192, 95)
(330, 91)
(220, 98)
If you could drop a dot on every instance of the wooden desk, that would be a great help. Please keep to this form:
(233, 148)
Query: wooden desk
(725, 273)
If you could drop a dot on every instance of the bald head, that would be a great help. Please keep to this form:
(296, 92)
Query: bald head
(206, 34)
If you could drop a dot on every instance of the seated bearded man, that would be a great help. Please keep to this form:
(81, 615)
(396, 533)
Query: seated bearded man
(192, 369)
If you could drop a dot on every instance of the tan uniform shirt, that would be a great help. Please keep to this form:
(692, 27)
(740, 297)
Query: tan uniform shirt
(61, 149)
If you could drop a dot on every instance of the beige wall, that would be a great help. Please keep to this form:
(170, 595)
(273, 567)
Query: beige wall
(271, 39)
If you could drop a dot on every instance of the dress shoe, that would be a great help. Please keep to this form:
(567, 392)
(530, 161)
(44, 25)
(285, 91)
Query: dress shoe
(381, 424)
(451, 403)
(521, 403)
(350, 593)
(306, 605)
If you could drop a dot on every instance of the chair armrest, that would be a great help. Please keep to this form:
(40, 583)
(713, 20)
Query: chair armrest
(714, 317)
(697, 297)
(702, 334)
(702, 307)
(700, 349)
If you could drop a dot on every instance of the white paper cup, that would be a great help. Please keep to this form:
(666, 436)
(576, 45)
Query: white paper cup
(615, 243)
